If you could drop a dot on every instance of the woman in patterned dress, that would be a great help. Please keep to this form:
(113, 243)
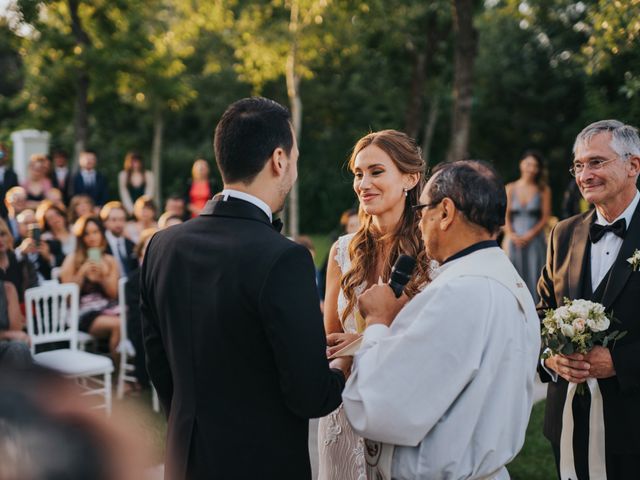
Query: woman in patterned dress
(388, 180)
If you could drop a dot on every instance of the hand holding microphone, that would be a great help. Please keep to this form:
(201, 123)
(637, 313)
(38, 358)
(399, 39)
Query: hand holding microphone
(381, 303)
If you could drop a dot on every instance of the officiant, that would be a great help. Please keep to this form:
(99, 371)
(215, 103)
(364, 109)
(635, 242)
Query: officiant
(590, 257)
(443, 387)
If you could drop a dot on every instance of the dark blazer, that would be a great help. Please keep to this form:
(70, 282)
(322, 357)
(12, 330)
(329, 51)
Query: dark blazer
(562, 276)
(99, 191)
(66, 188)
(10, 180)
(131, 261)
(235, 346)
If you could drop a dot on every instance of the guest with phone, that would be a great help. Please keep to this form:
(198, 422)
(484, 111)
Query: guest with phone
(96, 273)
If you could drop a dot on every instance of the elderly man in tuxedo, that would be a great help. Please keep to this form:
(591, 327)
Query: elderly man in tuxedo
(232, 325)
(588, 258)
(444, 389)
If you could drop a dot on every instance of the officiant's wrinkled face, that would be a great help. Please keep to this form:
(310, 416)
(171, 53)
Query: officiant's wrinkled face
(602, 185)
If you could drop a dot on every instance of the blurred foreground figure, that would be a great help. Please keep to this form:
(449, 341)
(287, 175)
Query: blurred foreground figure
(49, 432)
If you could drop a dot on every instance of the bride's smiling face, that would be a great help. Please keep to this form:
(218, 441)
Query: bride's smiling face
(378, 182)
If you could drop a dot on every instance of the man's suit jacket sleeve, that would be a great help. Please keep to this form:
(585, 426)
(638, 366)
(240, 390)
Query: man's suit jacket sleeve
(546, 292)
(156, 357)
(293, 324)
(102, 189)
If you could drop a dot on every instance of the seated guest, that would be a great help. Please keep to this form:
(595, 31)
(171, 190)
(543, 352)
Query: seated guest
(16, 201)
(132, 296)
(79, 206)
(37, 184)
(53, 222)
(134, 181)
(115, 218)
(18, 272)
(175, 205)
(42, 254)
(96, 273)
(89, 181)
(144, 212)
(168, 219)
(14, 342)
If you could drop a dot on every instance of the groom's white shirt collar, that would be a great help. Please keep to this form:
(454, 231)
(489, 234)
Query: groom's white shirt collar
(247, 197)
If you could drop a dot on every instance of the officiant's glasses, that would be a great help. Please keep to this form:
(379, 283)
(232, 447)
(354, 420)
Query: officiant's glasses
(420, 206)
(595, 164)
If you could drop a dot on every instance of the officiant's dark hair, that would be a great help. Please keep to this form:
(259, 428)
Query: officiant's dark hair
(475, 188)
(246, 136)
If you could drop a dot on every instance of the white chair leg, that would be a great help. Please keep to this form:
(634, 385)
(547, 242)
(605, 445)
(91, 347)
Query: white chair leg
(121, 374)
(107, 393)
(154, 399)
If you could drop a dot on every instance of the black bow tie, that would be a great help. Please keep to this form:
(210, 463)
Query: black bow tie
(277, 224)
(596, 232)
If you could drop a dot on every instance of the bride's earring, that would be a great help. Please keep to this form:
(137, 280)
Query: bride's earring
(406, 191)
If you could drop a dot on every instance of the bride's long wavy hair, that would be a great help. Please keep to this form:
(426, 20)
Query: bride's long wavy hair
(406, 239)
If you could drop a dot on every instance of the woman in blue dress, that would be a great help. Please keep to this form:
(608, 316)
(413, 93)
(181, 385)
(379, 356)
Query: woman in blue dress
(528, 211)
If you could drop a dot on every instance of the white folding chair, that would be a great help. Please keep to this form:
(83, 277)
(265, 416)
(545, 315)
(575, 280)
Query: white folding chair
(52, 316)
(127, 350)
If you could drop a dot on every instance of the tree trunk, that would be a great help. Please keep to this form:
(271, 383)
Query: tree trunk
(156, 155)
(429, 128)
(295, 102)
(80, 113)
(465, 53)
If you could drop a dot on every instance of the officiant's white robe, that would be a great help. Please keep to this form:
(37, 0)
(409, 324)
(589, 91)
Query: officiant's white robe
(450, 383)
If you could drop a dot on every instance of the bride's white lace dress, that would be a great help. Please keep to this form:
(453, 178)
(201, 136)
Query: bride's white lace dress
(341, 451)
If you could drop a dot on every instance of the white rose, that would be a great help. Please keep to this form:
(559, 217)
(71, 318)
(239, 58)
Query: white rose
(601, 324)
(579, 324)
(580, 308)
(562, 313)
(567, 330)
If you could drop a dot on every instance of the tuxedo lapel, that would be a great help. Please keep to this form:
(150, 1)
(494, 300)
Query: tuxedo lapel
(577, 252)
(621, 269)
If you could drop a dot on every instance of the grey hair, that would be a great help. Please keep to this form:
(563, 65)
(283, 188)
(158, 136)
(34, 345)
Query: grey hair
(475, 188)
(624, 138)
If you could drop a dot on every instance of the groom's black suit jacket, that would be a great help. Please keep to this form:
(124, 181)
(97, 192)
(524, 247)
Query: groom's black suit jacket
(235, 346)
(567, 274)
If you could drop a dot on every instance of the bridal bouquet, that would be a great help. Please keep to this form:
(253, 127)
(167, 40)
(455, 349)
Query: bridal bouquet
(576, 327)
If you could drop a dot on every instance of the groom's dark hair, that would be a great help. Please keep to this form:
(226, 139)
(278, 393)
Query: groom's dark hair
(475, 188)
(246, 136)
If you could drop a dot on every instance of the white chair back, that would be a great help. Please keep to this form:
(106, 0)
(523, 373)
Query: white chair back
(122, 303)
(52, 314)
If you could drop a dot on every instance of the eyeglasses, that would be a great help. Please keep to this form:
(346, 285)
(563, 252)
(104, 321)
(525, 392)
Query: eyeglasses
(595, 164)
(420, 206)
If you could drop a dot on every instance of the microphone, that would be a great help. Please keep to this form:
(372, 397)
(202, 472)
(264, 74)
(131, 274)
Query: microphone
(401, 273)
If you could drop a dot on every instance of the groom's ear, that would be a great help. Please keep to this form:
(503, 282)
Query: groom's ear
(278, 162)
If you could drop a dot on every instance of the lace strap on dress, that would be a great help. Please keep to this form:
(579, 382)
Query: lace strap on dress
(342, 252)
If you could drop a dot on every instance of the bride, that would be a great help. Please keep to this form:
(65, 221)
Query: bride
(388, 180)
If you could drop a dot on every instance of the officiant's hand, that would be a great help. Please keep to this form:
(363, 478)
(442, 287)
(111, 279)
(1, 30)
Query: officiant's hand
(573, 368)
(378, 304)
(601, 362)
(337, 341)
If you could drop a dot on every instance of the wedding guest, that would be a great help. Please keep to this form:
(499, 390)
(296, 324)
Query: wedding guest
(175, 205)
(134, 181)
(251, 297)
(54, 195)
(200, 187)
(587, 258)
(53, 222)
(350, 221)
(528, 212)
(61, 174)
(79, 206)
(14, 342)
(96, 273)
(115, 219)
(16, 201)
(41, 254)
(88, 180)
(144, 212)
(18, 272)
(8, 178)
(168, 219)
(388, 179)
(37, 183)
(445, 385)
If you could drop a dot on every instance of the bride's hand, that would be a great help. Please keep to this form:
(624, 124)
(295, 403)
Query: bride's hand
(337, 341)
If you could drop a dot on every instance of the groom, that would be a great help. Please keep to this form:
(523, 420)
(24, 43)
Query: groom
(587, 258)
(233, 331)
